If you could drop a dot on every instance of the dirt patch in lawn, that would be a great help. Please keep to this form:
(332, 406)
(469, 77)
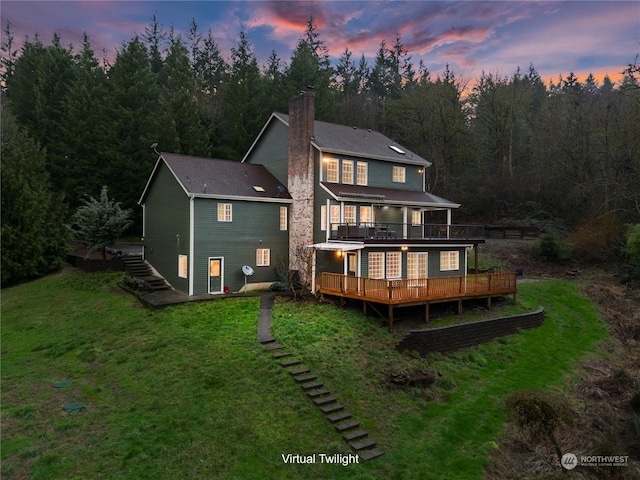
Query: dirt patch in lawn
(605, 392)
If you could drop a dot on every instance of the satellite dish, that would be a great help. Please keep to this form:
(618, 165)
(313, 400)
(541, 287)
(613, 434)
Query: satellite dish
(247, 270)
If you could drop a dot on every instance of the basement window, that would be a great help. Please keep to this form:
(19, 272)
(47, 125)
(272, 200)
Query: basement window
(182, 266)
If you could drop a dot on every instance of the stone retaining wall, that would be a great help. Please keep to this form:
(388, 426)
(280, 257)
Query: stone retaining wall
(455, 337)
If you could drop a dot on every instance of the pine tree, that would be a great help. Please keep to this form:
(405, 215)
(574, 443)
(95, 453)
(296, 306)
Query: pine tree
(181, 115)
(243, 109)
(133, 104)
(84, 127)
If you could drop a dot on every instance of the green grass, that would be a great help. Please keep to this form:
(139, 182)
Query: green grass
(186, 392)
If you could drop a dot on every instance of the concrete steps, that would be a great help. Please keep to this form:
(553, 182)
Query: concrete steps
(350, 429)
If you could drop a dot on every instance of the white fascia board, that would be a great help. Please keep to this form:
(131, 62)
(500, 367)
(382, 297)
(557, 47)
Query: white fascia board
(257, 140)
(243, 198)
(153, 173)
(407, 161)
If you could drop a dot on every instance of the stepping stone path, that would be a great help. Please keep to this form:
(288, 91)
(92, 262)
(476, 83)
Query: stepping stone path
(335, 413)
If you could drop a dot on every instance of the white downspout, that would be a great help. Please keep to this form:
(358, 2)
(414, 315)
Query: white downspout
(192, 229)
(448, 223)
(328, 220)
(404, 222)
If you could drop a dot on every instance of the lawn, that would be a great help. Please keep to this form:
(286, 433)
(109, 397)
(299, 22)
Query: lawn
(186, 392)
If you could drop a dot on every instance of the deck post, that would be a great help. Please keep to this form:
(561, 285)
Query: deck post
(364, 308)
(489, 302)
(459, 306)
(426, 312)
(390, 317)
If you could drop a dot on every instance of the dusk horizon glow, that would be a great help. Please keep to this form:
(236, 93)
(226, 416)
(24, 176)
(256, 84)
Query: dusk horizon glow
(557, 38)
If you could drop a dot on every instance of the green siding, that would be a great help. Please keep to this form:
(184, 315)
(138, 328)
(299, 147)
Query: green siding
(272, 151)
(166, 226)
(255, 225)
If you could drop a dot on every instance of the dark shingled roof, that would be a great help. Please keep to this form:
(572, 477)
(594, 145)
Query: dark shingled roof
(208, 176)
(387, 195)
(358, 142)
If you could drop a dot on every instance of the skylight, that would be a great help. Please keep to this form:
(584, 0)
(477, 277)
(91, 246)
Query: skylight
(396, 149)
(258, 188)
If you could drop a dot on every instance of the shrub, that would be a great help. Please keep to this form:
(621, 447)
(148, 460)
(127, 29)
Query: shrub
(549, 247)
(632, 244)
(540, 415)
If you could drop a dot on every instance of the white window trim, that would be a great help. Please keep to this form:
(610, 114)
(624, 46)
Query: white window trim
(394, 255)
(347, 173)
(350, 214)
(416, 217)
(379, 275)
(399, 174)
(263, 257)
(183, 268)
(225, 212)
(414, 260)
(367, 221)
(284, 219)
(331, 162)
(362, 178)
(334, 218)
(449, 260)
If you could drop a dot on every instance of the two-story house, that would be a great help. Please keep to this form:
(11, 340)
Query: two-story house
(344, 207)
(359, 200)
(204, 219)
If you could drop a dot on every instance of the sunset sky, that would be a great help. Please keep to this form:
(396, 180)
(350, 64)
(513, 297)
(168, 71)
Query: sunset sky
(600, 37)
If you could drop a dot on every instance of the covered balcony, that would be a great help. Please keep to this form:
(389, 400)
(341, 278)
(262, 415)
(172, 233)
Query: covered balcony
(405, 231)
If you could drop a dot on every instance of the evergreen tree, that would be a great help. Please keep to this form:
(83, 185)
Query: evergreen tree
(34, 237)
(310, 66)
(84, 129)
(181, 115)
(9, 56)
(37, 91)
(242, 107)
(154, 37)
(100, 222)
(133, 107)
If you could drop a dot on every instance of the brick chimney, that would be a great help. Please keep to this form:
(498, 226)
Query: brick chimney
(301, 181)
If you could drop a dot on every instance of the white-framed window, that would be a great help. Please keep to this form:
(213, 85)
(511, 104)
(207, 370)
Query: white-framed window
(335, 216)
(347, 172)
(182, 266)
(350, 214)
(417, 265)
(376, 265)
(334, 219)
(394, 264)
(416, 217)
(225, 212)
(284, 218)
(333, 173)
(365, 215)
(449, 260)
(362, 173)
(263, 257)
(399, 174)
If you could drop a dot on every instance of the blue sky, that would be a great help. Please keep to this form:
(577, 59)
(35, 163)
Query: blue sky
(599, 37)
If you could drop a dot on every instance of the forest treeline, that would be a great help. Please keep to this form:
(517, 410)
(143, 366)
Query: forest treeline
(507, 147)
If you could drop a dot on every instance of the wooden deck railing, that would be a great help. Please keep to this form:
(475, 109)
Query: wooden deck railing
(416, 290)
